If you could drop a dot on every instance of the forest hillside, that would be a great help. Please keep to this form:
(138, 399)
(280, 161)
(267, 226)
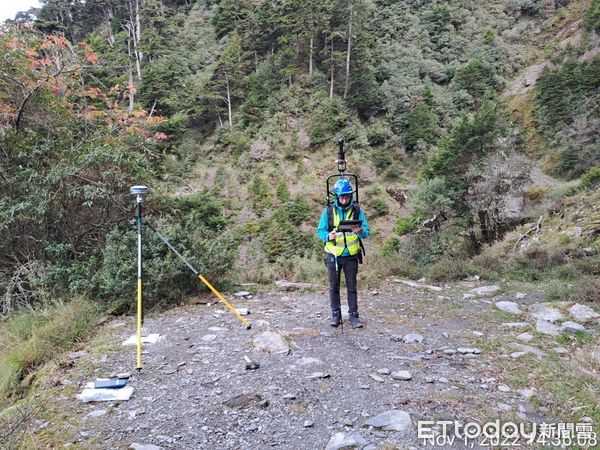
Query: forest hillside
(472, 127)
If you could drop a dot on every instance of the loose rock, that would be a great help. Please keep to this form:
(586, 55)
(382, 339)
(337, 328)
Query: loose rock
(376, 378)
(485, 290)
(404, 375)
(509, 307)
(341, 440)
(317, 375)
(544, 312)
(583, 313)
(525, 337)
(548, 328)
(572, 327)
(136, 446)
(270, 341)
(412, 338)
(394, 420)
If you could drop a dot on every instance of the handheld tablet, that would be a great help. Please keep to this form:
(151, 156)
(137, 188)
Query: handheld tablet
(347, 225)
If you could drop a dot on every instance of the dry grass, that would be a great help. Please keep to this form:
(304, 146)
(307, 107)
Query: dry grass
(31, 338)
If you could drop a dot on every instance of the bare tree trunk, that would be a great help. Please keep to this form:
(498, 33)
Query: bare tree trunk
(228, 101)
(332, 71)
(131, 89)
(310, 59)
(220, 119)
(129, 29)
(256, 61)
(109, 18)
(346, 83)
(138, 36)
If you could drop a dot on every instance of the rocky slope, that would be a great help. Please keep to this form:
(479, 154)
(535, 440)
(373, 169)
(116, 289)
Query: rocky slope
(458, 352)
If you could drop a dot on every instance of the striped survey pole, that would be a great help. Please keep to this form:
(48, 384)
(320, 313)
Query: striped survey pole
(139, 191)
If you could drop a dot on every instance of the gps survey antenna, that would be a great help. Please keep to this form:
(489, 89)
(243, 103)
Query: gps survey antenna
(139, 192)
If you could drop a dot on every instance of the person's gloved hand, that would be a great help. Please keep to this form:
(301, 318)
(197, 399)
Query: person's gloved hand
(332, 235)
(357, 229)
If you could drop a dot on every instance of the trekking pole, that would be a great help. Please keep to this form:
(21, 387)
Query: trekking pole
(204, 280)
(139, 191)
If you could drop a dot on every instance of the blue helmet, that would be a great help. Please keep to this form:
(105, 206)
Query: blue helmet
(342, 187)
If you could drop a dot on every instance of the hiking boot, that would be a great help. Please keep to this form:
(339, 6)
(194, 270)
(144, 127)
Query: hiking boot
(336, 318)
(354, 320)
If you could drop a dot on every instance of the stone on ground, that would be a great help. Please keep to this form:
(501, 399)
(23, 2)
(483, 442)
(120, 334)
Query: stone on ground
(342, 440)
(582, 313)
(412, 338)
(509, 307)
(572, 327)
(544, 312)
(527, 348)
(541, 326)
(272, 342)
(485, 290)
(404, 375)
(394, 420)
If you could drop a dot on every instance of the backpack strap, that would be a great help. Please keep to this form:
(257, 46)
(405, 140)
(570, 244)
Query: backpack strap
(356, 216)
(330, 217)
(355, 211)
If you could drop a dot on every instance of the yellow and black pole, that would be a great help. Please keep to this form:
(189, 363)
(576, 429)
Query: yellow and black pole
(139, 191)
(199, 276)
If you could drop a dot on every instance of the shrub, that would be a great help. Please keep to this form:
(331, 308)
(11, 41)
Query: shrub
(195, 227)
(318, 134)
(260, 194)
(32, 338)
(528, 7)
(564, 239)
(421, 127)
(393, 174)
(448, 269)
(406, 225)
(589, 265)
(583, 289)
(282, 192)
(477, 78)
(592, 17)
(232, 140)
(536, 193)
(390, 247)
(405, 257)
(282, 239)
(298, 210)
(591, 179)
(379, 207)
(377, 136)
(382, 158)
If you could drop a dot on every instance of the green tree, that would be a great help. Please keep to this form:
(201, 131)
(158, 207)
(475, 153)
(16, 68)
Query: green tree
(478, 79)
(592, 17)
(470, 140)
(166, 85)
(422, 127)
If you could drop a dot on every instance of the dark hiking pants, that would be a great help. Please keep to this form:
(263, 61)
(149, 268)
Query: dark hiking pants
(348, 265)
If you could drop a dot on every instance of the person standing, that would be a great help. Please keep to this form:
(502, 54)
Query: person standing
(343, 250)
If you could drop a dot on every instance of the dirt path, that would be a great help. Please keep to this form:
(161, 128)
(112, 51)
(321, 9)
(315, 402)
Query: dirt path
(195, 393)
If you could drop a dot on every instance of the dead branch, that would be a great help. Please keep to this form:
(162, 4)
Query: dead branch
(536, 230)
